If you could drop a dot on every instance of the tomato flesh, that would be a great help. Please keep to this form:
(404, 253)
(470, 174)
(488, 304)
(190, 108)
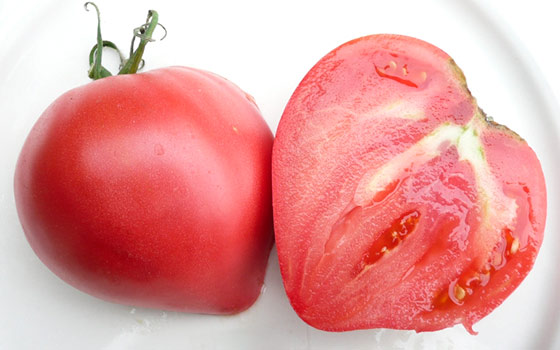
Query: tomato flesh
(152, 190)
(397, 204)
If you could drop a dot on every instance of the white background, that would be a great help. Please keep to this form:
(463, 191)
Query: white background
(510, 53)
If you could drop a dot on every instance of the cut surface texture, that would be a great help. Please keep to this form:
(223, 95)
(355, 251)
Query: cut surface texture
(397, 203)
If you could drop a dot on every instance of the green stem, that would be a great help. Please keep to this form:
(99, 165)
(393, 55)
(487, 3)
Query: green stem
(127, 66)
(143, 32)
(93, 56)
(96, 70)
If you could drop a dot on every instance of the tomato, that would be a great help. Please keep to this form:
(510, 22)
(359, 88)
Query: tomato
(152, 190)
(397, 202)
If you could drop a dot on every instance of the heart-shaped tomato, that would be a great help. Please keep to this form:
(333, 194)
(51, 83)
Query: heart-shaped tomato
(397, 202)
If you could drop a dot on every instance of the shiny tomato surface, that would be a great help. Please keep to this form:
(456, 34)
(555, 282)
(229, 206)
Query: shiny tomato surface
(152, 190)
(397, 202)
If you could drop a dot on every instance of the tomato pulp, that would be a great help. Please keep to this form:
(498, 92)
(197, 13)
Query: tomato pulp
(152, 190)
(397, 202)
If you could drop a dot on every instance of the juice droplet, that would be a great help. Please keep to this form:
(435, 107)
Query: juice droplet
(158, 149)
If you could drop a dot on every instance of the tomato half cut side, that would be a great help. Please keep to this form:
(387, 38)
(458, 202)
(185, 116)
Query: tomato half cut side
(397, 202)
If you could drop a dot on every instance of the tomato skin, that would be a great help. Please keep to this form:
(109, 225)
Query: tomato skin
(152, 190)
(397, 203)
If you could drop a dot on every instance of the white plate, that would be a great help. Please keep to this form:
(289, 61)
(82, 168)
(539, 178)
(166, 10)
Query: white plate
(266, 48)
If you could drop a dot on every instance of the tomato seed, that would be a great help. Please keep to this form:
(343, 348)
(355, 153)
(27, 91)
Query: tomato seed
(459, 292)
(514, 246)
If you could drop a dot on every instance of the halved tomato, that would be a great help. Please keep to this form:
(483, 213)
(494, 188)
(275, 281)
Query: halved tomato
(397, 202)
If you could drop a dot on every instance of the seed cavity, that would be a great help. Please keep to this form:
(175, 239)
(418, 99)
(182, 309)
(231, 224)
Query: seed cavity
(404, 70)
(475, 278)
(391, 238)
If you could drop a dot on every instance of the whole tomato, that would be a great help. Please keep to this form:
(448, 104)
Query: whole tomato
(152, 190)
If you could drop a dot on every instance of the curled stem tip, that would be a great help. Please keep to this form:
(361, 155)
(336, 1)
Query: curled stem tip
(92, 4)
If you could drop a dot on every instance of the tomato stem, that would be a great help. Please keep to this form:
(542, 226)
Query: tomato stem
(96, 70)
(144, 32)
(135, 61)
(93, 56)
